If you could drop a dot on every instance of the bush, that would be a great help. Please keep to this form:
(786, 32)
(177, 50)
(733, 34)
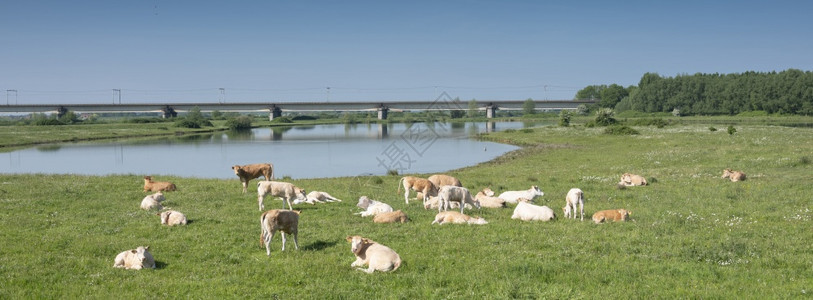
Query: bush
(712, 129)
(564, 118)
(604, 117)
(239, 123)
(658, 122)
(620, 130)
(282, 120)
(731, 129)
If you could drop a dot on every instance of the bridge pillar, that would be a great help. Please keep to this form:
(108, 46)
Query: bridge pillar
(169, 112)
(382, 113)
(276, 112)
(61, 111)
(491, 111)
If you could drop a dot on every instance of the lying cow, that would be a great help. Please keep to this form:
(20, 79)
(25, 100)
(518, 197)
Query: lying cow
(317, 197)
(733, 175)
(155, 186)
(249, 172)
(611, 215)
(372, 254)
(417, 184)
(530, 194)
(487, 199)
(172, 218)
(529, 212)
(152, 202)
(450, 193)
(574, 197)
(284, 221)
(397, 216)
(135, 259)
(628, 179)
(440, 180)
(372, 207)
(455, 217)
(285, 190)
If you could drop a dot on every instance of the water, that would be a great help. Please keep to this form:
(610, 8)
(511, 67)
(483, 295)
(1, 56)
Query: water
(299, 152)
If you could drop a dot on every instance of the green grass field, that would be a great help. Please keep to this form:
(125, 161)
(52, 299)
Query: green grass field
(693, 234)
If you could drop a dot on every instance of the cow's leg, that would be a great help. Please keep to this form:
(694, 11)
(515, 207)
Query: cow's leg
(283, 240)
(268, 243)
(260, 201)
(287, 199)
(296, 242)
(245, 187)
(581, 208)
(406, 195)
(462, 206)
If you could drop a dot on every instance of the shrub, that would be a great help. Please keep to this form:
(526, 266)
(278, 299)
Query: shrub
(712, 129)
(731, 129)
(604, 117)
(620, 130)
(564, 118)
(282, 120)
(239, 123)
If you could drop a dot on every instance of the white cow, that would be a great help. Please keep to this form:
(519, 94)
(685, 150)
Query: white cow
(376, 256)
(372, 207)
(172, 218)
(530, 194)
(449, 193)
(574, 197)
(135, 259)
(284, 190)
(529, 212)
(317, 197)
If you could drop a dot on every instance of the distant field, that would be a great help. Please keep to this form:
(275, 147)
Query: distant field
(694, 235)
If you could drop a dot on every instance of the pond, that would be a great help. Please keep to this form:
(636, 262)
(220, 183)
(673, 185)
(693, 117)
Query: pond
(315, 151)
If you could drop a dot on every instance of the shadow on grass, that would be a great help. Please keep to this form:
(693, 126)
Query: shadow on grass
(319, 245)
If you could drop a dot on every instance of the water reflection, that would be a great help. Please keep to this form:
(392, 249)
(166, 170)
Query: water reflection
(299, 152)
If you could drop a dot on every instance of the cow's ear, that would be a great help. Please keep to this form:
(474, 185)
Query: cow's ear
(349, 238)
(134, 251)
(366, 241)
(147, 248)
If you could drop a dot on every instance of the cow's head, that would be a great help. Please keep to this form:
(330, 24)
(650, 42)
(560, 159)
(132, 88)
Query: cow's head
(727, 173)
(625, 214)
(488, 192)
(238, 170)
(364, 202)
(140, 256)
(358, 243)
(536, 191)
(300, 194)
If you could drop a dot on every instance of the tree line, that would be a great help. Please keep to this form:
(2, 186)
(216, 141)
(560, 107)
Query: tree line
(785, 92)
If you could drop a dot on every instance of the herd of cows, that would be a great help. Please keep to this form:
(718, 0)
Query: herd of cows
(441, 192)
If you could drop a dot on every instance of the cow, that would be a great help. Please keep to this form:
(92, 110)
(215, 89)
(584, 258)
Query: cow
(284, 190)
(614, 215)
(155, 186)
(397, 216)
(529, 212)
(530, 194)
(733, 175)
(440, 180)
(450, 193)
(376, 256)
(317, 197)
(251, 171)
(372, 207)
(135, 259)
(284, 221)
(628, 179)
(487, 199)
(172, 218)
(455, 217)
(417, 184)
(574, 197)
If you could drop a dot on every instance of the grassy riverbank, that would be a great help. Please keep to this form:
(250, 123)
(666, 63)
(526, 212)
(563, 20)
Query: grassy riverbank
(694, 234)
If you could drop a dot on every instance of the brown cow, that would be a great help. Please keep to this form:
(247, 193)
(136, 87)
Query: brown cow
(628, 179)
(285, 190)
(419, 185)
(155, 186)
(440, 180)
(611, 215)
(249, 172)
(733, 175)
(284, 221)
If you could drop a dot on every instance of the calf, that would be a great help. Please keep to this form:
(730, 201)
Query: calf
(417, 184)
(172, 218)
(454, 217)
(135, 259)
(155, 186)
(372, 207)
(450, 193)
(487, 199)
(150, 203)
(285, 221)
(529, 212)
(284, 190)
(375, 256)
(434, 203)
(248, 172)
(397, 216)
(733, 175)
(611, 215)
(574, 197)
(628, 179)
(530, 194)
(317, 197)
(440, 180)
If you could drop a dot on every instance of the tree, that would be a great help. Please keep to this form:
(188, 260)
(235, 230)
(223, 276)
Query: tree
(472, 112)
(590, 92)
(611, 95)
(528, 107)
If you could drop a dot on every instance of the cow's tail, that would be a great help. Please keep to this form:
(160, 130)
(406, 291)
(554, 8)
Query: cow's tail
(265, 229)
(399, 186)
(397, 263)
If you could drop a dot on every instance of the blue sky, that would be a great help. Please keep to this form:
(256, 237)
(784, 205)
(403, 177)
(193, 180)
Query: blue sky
(182, 51)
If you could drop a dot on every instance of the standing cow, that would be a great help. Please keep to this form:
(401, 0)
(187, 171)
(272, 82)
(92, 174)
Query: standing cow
(284, 190)
(249, 172)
